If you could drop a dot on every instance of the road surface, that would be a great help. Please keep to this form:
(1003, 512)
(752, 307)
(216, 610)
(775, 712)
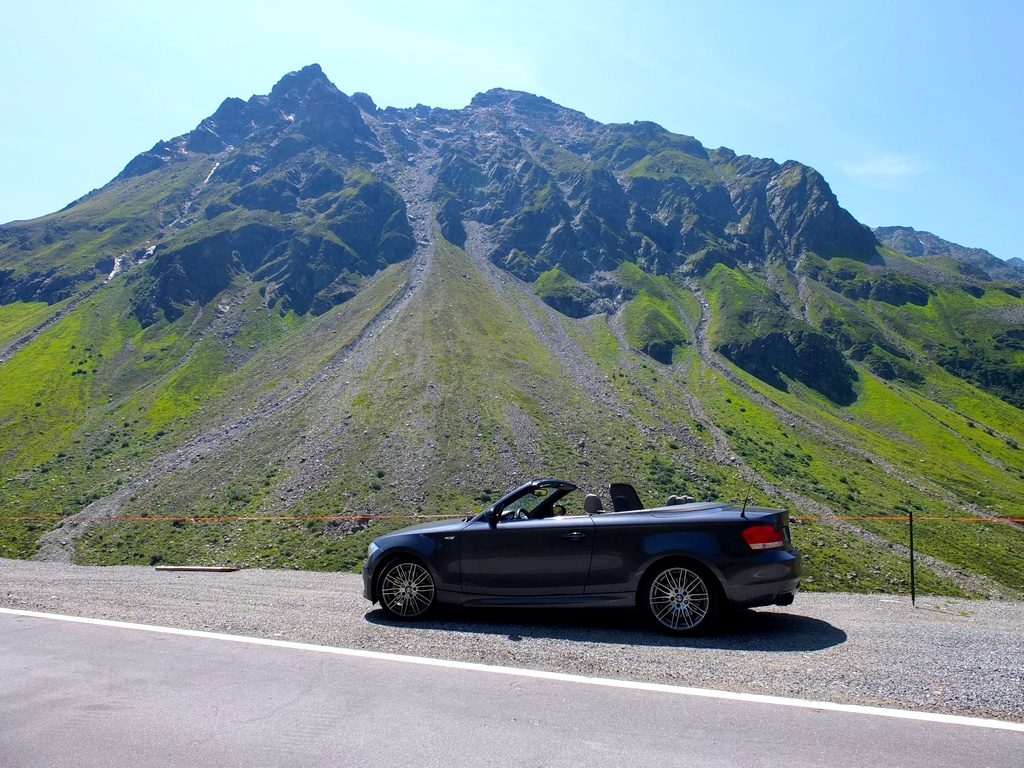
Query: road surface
(101, 694)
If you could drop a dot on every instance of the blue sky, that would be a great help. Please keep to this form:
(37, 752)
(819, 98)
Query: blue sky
(912, 111)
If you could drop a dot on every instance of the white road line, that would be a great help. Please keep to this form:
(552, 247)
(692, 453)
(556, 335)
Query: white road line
(541, 675)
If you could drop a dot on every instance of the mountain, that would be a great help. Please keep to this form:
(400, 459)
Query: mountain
(311, 320)
(976, 261)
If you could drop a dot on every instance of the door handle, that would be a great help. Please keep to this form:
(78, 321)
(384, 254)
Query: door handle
(575, 535)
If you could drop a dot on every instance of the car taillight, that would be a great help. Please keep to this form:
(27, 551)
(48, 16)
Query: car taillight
(763, 537)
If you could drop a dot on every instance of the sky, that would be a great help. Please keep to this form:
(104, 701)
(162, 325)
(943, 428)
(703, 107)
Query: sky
(912, 111)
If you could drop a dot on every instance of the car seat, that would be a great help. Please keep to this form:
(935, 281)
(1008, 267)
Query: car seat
(625, 498)
(592, 504)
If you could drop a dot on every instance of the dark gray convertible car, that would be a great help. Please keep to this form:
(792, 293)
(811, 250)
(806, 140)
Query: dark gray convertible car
(546, 544)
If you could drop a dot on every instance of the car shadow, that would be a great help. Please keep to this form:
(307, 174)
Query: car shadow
(742, 630)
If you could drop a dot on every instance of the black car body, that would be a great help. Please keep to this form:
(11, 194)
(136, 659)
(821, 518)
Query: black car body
(680, 563)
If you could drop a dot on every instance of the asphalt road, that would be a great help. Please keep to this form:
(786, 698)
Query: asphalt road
(955, 657)
(93, 695)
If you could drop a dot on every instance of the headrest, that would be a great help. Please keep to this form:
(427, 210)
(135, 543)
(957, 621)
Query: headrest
(592, 504)
(675, 501)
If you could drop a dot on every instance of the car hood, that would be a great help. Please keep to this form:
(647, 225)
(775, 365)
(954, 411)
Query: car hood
(437, 526)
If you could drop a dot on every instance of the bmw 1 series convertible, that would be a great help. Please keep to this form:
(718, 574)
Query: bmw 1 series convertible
(546, 544)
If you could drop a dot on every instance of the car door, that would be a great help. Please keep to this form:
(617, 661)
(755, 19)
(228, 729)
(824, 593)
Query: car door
(527, 557)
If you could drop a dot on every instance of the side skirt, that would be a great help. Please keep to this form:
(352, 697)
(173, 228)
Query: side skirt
(618, 600)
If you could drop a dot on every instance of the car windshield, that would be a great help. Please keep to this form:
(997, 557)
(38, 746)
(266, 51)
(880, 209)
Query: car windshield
(540, 503)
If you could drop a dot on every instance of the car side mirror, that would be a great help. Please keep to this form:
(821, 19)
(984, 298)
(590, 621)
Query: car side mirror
(491, 516)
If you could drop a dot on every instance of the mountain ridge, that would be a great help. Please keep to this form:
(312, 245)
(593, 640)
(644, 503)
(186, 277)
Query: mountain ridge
(918, 243)
(305, 319)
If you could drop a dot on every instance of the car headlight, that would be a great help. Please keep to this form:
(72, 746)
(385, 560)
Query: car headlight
(371, 549)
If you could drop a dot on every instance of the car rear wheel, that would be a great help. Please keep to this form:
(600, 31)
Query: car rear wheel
(680, 599)
(406, 590)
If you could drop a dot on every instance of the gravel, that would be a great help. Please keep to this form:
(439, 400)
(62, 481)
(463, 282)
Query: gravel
(951, 656)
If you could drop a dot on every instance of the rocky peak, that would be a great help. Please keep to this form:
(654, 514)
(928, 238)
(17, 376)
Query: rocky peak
(308, 85)
(903, 239)
(809, 217)
(301, 80)
(318, 109)
(303, 110)
(365, 102)
(502, 97)
(525, 105)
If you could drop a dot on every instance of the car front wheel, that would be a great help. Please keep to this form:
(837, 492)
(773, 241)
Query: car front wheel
(406, 590)
(680, 599)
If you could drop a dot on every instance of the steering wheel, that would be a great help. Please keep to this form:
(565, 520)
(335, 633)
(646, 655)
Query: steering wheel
(515, 514)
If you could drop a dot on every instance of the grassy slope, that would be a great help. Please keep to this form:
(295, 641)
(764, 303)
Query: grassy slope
(950, 457)
(944, 467)
(788, 456)
(245, 481)
(652, 319)
(955, 444)
(119, 217)
(435, 423)
(742, 307)
(21, 317)
(113, 396)
(794, 457)
(462, 401)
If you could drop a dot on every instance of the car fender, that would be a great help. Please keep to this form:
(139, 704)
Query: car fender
(424, 548)
(674, 554)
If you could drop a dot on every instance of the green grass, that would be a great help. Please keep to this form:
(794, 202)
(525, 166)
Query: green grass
(559, 289)
(555, 282)
(653, 321)
(46, 387)
(742, 307)
(308, 544)
(653, 327)
(965, 460)
(191, 385)
(835, 561)
(964, 333)
(595, 336)
(118, 218)
(20, 317)
(143, 392)
(289, 353)
(672, 164)
(47, 391)
(894, 429)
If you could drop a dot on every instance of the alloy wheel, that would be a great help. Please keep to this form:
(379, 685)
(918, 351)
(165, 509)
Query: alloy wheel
(679, 599)
(407, 590)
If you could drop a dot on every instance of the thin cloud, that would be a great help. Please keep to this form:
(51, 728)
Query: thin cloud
(885, 168)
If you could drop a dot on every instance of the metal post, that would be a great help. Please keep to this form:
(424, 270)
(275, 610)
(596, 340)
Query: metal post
(913, 583)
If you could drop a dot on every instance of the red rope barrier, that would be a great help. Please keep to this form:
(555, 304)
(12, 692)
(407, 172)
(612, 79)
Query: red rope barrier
(371, 517)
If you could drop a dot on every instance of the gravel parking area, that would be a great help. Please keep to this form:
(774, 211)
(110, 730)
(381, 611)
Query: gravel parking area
(952, 656)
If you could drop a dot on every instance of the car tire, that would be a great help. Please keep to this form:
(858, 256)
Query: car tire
(405, 589)
(680, 598)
